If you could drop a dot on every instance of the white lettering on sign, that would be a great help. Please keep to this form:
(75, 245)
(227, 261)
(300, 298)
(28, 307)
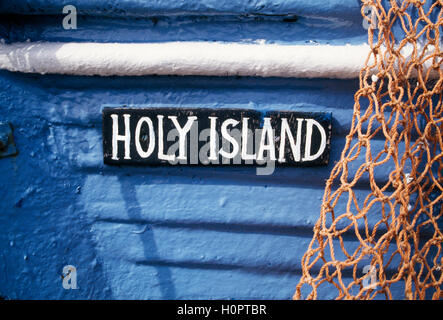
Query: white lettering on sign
(182, 134)
(308, 156)
(239, 138)
(295, 145)
(229, 138)
(246, 136)
(151, 144)
(117, 137)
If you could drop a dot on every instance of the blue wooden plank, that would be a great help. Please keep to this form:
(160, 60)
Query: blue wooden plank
(144, 7)
(262, 29)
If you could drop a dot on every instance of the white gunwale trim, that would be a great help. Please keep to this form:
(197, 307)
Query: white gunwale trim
(184, 58)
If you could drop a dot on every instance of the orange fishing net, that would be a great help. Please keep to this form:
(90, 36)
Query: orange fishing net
(380, 236)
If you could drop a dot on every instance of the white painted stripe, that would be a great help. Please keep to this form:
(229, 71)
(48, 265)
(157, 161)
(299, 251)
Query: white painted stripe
(185, 58)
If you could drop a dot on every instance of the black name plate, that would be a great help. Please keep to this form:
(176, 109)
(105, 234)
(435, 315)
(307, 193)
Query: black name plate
(172, 136)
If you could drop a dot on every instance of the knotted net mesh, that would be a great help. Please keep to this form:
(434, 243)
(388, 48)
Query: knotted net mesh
(379, 235)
